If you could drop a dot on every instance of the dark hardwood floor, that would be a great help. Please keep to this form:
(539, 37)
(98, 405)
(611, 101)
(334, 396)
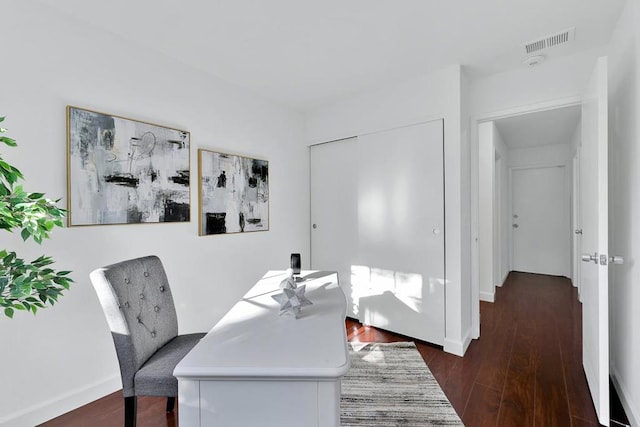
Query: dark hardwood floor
(525, 370)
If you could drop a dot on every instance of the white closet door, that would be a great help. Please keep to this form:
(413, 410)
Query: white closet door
(377, 208)
(399, 275)
(334, 211)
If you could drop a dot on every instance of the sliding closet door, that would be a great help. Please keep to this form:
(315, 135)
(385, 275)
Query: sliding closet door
(378, 215)
(399, 275)
(334, 211)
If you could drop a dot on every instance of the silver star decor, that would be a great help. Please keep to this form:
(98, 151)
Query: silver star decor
(292, 300)
(289, 282)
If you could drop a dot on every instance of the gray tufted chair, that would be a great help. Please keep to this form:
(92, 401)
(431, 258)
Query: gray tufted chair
(137, 302)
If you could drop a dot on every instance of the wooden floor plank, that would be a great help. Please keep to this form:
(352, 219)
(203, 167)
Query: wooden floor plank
(579, 422)
(482, 407)
(460, 381)
(441, 366)
(517, 405)
(551, 401)
(496, 345)
(109, 412)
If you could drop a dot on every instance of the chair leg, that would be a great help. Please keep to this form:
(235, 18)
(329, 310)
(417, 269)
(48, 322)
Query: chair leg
(130, 405)
(171, 403)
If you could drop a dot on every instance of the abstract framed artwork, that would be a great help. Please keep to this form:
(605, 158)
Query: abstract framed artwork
(123, 171)
(233, 192)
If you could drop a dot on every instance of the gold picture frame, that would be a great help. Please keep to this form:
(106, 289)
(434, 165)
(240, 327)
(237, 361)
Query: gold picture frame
(125, 171)
(233, 193)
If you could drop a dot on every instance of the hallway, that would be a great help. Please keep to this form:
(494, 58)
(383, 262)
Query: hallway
(533, 335)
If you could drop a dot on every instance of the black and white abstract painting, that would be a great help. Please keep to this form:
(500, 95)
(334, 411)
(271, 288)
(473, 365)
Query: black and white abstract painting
(123, 171)
(234, 193)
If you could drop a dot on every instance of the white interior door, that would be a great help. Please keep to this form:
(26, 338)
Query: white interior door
(540, 221)
(334, 211)
(595, 231)
(377, 215)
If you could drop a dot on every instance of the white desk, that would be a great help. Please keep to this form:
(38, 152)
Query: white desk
(256, 368)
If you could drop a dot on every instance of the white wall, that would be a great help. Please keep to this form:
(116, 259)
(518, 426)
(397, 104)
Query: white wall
(554, 79)
(469, 301)
(432, 96)
(486, 242)
(544, 155)
(576, 138)
(64, 356)
(493, 237)
(624, 208)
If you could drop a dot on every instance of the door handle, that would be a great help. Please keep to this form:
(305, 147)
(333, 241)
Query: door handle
(616, 260)
(515, 225)
(589, 257)
(578, 231)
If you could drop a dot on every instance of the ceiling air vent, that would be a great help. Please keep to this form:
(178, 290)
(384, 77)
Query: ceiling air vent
(550, 41)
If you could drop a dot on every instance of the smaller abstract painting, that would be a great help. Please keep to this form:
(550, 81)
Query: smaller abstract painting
(234, 193)
(123, 171)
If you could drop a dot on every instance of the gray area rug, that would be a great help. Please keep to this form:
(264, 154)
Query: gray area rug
(391, 385)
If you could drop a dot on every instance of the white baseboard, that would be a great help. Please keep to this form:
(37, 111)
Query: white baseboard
(632, 413)
(488, 296)
(504, 279)
(45, 411)
(476, 330)
(458, 347)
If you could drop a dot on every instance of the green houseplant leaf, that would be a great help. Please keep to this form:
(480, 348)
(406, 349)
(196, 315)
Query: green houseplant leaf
(27, 286)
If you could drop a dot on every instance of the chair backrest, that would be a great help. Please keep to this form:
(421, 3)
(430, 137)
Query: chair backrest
(139, 308)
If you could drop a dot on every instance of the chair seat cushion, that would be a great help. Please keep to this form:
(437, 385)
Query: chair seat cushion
(155, 378)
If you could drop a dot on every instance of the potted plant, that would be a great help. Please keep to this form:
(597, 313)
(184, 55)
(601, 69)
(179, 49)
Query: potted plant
(23, 285)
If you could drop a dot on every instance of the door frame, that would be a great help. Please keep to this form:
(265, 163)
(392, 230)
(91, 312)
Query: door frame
(510, 200)
(498, 199)
(487, 235)
(474, 173)
(576, 223)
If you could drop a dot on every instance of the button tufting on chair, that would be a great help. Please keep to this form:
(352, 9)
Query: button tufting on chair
(146, 365)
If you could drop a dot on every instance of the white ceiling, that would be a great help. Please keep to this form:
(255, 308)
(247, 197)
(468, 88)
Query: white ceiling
(305, 53)
(541, 128)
